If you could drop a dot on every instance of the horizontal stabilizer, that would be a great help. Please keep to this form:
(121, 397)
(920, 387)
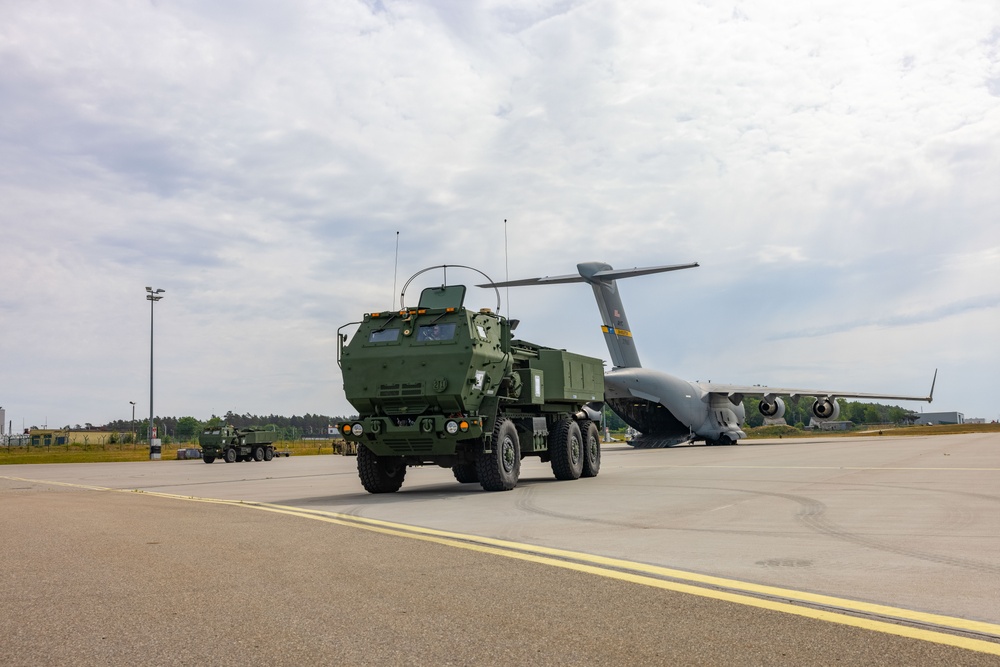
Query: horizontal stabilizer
(547, 280)
(605, 275)
(614, 274)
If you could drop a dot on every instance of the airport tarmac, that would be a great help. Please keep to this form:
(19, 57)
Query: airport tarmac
(876, 550)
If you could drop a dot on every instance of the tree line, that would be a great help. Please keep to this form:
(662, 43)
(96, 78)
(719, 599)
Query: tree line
(186, 429)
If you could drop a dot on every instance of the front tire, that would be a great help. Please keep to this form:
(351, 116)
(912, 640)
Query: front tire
(379, 474)
(500, 469)
(465, 473)
(231, 455)
(566, 449)
(208, 459)
(591, 439)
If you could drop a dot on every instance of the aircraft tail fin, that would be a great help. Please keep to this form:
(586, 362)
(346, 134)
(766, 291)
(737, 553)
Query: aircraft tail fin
(614, 324)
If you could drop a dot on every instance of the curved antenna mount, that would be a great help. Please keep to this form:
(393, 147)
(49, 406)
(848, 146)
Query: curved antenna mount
(444, 268)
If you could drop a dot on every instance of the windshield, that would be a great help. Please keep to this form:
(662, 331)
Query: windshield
(436, 331)
(383, 336)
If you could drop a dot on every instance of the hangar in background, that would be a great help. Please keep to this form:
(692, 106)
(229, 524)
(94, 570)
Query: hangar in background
(926, 418)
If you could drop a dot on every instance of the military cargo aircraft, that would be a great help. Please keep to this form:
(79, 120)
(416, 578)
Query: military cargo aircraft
(665, 409)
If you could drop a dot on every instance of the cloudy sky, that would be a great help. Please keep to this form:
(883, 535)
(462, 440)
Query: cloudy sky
(834, 166)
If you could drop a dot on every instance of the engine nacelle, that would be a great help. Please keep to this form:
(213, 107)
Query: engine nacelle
(772, 409)
(825, 409)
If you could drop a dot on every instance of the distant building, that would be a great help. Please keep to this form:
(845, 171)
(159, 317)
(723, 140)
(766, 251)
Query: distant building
(926, 418)
(831, 425)
(46, 437)
(975, 420)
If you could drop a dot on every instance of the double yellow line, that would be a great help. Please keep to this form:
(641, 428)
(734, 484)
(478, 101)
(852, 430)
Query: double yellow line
(820, 607)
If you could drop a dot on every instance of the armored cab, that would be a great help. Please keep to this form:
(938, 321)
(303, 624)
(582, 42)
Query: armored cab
(442, 384)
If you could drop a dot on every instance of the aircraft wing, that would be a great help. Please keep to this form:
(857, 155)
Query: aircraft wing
(735, 390)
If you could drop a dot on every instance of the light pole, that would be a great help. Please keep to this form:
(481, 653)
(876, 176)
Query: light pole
(154, 443)
(133, 424)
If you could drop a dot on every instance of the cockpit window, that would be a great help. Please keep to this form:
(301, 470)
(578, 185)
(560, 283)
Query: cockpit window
(444, 331)
(383, 336)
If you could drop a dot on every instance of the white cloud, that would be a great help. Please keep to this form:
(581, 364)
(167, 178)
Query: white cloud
(832, 166)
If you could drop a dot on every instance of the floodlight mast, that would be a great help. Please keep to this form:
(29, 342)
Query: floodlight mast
(154, 448)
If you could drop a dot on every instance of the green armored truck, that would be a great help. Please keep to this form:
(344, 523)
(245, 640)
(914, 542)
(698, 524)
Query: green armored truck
(233, 444)
(444, 385)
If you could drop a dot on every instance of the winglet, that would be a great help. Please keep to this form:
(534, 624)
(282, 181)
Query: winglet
(930, 397)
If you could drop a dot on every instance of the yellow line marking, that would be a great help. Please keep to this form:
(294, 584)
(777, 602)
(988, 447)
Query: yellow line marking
(718, 467)
(640, 573)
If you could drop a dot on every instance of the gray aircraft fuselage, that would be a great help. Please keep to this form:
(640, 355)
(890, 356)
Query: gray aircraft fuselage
(667, 410)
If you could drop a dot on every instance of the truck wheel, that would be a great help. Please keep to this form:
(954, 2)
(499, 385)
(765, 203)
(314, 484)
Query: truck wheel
(258, 454)
(208, 459)
(566, 449)
(591, 449)
(379, 474)
(500, 469)
(268, 454)
(466, 473)
(231, 455)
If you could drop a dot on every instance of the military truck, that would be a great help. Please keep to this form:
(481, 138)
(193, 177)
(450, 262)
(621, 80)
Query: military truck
(233, 444)
(444, 385)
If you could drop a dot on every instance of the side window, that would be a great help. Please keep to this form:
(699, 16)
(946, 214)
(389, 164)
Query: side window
(436, 331)
(383, 336)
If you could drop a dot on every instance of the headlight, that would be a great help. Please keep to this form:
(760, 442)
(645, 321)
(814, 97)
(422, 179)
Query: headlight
(451, 427)
(357, 430)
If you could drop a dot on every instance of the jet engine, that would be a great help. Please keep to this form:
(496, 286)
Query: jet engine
(774, 409)
(826, 408)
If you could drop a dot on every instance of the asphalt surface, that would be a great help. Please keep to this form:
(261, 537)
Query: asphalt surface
(119, 577)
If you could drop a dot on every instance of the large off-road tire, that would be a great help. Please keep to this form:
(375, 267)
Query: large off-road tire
(591, 439)
(268, 453)
(231, 455)
(258, 454)
(465, 473)
(380, 474)
(566, 450)
(208, 459)
(500, 469)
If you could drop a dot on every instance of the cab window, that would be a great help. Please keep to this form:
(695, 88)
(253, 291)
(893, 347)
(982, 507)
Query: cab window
(436, 331)
(383, 336)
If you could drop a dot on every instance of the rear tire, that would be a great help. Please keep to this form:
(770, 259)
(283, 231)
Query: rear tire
(500, 469)
(231, 455)
(566, 449)
(591, 439)
(258, 454)
(380, 474)
(465, 473)
(268, 453)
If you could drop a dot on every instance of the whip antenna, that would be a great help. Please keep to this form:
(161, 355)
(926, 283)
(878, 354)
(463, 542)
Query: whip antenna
(395, 267)
(506, 268)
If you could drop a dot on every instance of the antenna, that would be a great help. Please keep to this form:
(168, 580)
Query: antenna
(506, 269)
(395, 267)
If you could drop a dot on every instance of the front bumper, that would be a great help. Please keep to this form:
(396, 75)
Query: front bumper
(424, 436)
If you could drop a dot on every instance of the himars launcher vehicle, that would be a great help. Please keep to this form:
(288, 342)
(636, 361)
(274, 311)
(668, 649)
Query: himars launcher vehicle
(441, 384)
(233, 444)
